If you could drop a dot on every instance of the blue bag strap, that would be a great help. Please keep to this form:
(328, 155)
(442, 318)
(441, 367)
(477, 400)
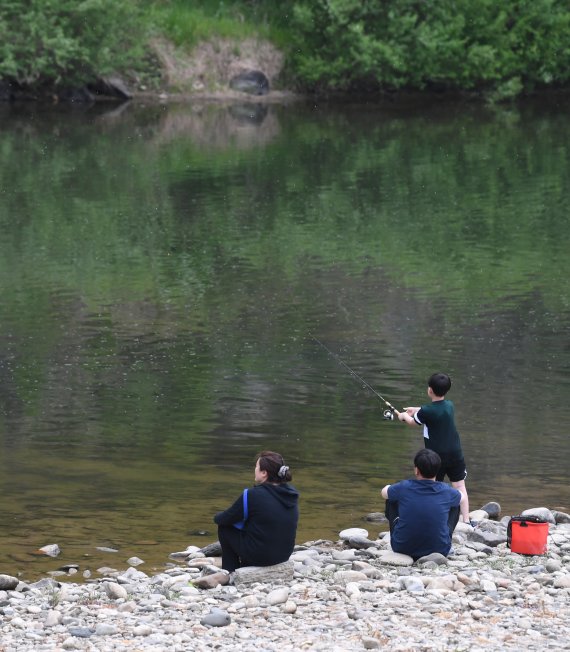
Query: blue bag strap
(245, 510)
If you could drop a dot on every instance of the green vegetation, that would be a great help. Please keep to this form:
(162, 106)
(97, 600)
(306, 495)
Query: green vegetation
(46, 42)
(503, 46)
(188, 23)
(499, 47)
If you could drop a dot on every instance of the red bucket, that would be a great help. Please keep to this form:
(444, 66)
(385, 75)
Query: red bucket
(527, 535)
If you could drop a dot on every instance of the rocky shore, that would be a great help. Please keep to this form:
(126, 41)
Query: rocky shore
(349, 594)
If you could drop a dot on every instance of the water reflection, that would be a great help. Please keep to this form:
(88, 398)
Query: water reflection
(161, 270)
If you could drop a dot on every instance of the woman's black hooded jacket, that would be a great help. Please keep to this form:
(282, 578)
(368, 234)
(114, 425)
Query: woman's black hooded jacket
(269, 534)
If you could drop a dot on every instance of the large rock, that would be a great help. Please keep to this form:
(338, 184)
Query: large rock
(253, 82)
(110, 87)
(212, 550)
(395, 558)
(489, 533)
(478, 515)
(277, 596)
(435, 557)
(51, 550)
(493, 510)
(250, 574)
(216, 618)
(211, 581)
(376, 517)
(115, 591)
(352, 532)
(561, 517)
(8, 583)
(360, 543)
(542, 512)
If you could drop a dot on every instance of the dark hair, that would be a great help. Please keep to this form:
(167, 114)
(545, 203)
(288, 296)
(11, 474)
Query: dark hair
(274, 464)
(439, 383)
(427, 462)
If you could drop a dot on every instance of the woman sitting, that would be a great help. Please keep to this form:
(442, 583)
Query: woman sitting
(265, 535)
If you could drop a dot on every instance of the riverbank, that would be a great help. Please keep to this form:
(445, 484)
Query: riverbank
(349, 594)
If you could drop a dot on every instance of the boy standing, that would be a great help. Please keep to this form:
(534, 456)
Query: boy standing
(440, 434)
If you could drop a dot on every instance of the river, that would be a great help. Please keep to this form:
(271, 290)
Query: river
(163, 269)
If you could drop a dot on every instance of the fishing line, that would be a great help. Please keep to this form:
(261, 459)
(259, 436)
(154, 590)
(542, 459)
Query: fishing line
(388, 414)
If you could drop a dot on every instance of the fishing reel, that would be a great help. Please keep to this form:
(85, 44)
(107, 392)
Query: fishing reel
(388, 415)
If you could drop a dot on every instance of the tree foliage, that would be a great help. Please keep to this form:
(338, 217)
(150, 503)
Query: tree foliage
(506, 45)
(500, 47)
(47, 41)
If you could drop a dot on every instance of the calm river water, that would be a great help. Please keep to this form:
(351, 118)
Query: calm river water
(162, 270)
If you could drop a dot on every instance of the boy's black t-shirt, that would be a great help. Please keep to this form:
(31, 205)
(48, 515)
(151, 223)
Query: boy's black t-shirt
(440, 433)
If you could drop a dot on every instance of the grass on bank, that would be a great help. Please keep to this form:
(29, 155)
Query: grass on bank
(188, 23)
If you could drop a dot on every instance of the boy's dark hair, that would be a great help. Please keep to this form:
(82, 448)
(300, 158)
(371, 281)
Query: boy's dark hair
(427, 462)
(274, 464)
(439, 383)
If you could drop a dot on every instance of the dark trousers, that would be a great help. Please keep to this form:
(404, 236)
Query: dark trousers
(230, 540)
(392, 515)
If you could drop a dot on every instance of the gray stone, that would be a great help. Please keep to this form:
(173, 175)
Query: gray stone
(210, 581)
(115, 591)
(493, 509)
(277, 596)
(184, 554)
(250, 574)
(478, 515)
(360, 543)
(561, 517)
(51, 550)
(553, 565)
(562, 582)
(216, 618)
(253, 82)
(45, 583)
(142, 630)
(489, 538)
(395, 558)
(343, 555)
(212, 550)
(436, 557)
(542, 512)
(412, 584)
(344, 577)
(111, 86)
(376, 517)
(480, 547)
(81, 632)
(353, 532)
(106, 629)
(290, 607)
(53, 618)
(8, 583)
(369, 643)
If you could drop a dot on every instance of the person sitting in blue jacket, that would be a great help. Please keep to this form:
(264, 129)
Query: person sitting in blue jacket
(422, 512)
(265, 535)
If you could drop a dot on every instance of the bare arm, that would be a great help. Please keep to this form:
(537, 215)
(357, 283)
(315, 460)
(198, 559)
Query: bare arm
(384, 492)
(407, 416)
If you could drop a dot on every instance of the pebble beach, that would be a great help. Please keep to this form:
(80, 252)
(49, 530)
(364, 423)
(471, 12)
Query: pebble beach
(353, 593)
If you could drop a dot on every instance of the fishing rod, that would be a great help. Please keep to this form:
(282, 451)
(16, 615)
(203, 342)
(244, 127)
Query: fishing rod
(388, 414)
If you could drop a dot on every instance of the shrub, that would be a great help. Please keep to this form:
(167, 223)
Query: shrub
(463, 44)
(51, 41)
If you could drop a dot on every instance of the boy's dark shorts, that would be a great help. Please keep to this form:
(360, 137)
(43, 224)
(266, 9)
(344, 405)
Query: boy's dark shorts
(454, 469)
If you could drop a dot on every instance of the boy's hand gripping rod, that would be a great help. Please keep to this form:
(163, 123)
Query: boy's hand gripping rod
(389, 413)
